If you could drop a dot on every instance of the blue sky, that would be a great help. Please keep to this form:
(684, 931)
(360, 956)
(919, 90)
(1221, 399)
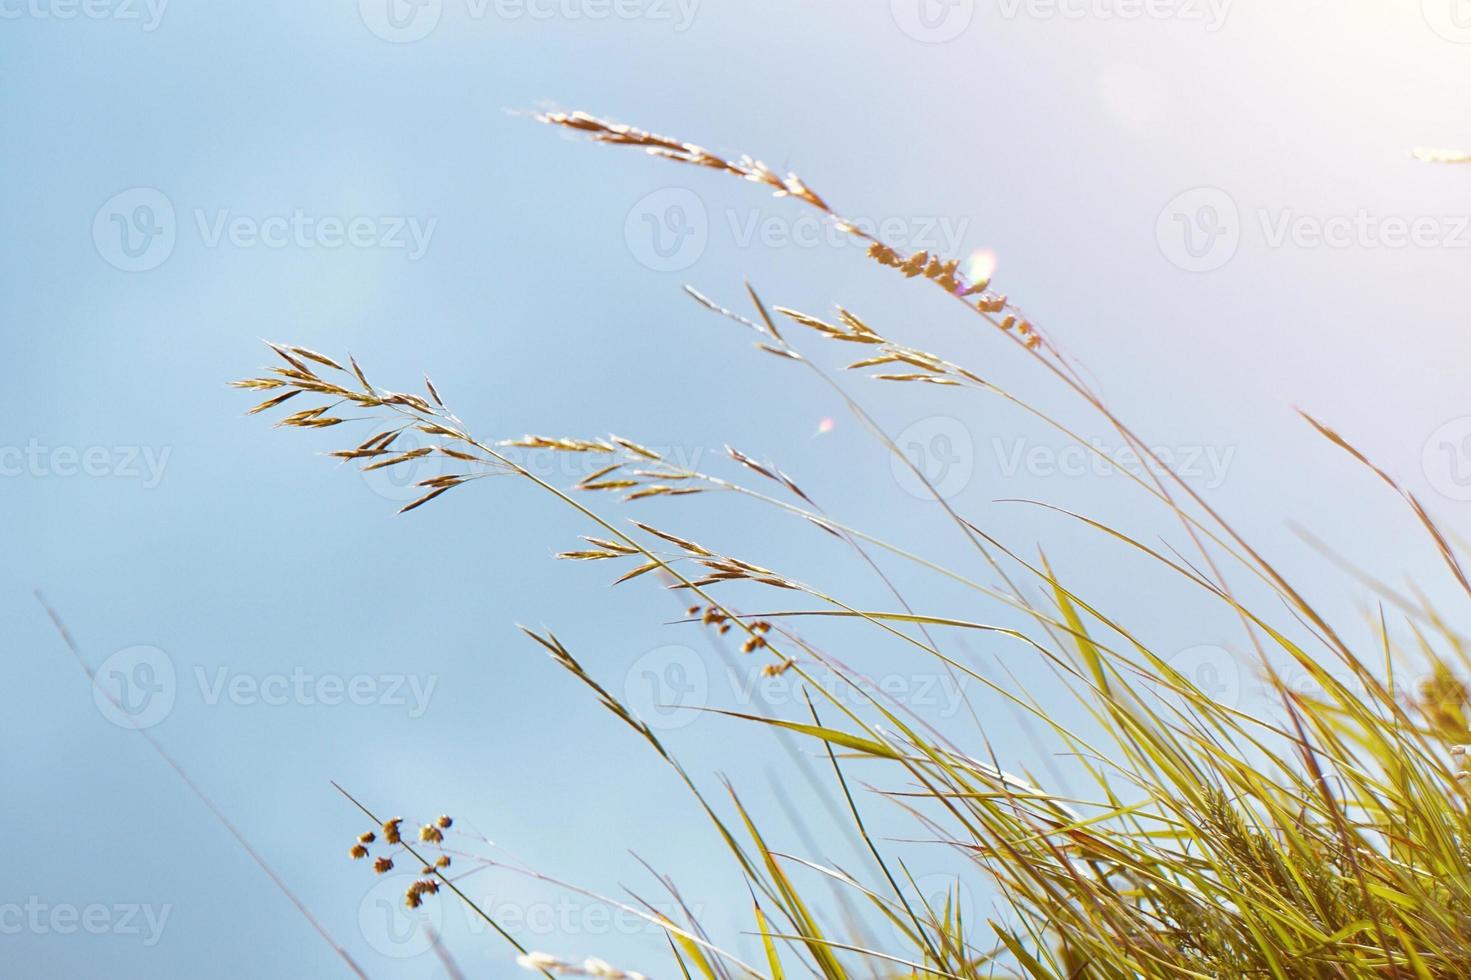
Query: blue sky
(1212, 206)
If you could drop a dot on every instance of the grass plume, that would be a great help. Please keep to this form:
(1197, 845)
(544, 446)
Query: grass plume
(1328, 838)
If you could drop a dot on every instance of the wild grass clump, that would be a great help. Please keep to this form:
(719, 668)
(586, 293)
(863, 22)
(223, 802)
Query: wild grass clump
(1327, 838)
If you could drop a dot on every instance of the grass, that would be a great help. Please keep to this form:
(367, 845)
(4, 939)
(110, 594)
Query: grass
(1327, 838)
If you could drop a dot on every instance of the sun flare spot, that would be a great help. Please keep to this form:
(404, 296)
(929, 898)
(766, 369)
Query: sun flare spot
(981, 265)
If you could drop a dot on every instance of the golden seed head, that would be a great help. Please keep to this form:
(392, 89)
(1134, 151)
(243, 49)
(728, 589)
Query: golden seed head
(358, 851)
(367, 838)
(442, 861)
(383, 865)
(445, 822)
(412, 899)
(431, 834)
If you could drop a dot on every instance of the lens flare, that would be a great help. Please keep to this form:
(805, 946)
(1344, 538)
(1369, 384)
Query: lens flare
(981, 265)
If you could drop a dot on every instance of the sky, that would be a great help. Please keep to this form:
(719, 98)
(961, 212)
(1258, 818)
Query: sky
(1211, 205)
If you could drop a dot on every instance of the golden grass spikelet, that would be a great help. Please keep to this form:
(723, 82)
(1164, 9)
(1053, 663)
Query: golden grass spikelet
(1427, 154)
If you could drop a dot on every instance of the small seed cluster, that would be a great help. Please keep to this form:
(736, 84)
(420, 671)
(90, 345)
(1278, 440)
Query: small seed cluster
(392, 835)
(717, 618)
